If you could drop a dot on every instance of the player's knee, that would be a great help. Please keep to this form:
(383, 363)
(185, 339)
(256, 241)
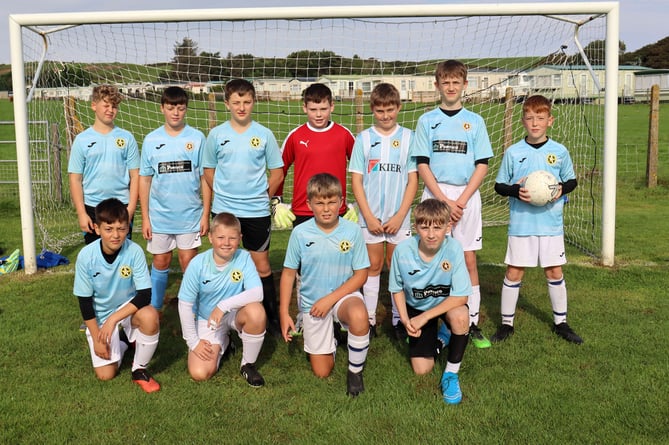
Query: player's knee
(358, 320)
(105, 373)
(148, 320)
(200, 374)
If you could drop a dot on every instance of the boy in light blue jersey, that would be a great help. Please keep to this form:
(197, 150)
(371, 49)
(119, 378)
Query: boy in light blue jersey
(536, 234)
(331, 255)
(384, 182)
(224, 290)
(170, 185)
(113, 286)
(452, 148)
(104, 163)
(429, 280)
(237, 155)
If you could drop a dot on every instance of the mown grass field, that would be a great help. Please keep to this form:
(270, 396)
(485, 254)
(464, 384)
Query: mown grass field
(534, 388)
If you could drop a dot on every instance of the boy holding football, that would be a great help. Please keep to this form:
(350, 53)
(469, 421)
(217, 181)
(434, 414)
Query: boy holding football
(224, 290)
(536, 234)
(384, 182)
(113, 286)
(104, 163)
(429, 281)
(452, 148)
(331, 254)
(170, 183)
(236, 158)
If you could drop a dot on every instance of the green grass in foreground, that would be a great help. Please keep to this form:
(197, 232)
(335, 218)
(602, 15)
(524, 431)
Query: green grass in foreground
(534, 388)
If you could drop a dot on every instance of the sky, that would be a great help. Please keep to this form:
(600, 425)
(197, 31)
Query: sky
(642, 22)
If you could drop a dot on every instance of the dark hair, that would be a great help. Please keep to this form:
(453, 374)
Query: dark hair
(239, 86)
(317, 93)
(174, 96)
(110, 211)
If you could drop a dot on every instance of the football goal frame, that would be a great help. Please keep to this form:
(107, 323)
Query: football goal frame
(43, 24)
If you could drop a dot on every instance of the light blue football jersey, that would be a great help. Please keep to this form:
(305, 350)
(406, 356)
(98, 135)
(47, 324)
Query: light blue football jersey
(205, 286)
(426, 285)
(175, 166)
(241, 162)
(385, 164)
(520, 160)
(453, 144)
(103, 160)
(110, 285)
(325, 260)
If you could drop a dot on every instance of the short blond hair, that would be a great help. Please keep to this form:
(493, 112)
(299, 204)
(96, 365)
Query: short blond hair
(431, 212)
(225, 219)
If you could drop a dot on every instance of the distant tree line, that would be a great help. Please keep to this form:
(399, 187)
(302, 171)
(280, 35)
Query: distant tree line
(191, 65)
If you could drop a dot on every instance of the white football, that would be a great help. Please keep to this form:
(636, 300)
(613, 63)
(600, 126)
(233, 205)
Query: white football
(543, 187)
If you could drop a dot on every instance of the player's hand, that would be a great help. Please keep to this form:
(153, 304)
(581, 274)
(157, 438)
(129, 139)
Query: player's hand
(374, 226)
(287, 327)
(351, 214)
(321, 308)
(106, 332)
(85, 223)
(393, 225)
(214, 321)
(411, 330)
(146, 227)
(204, 225)
(282, 215)
(204, 351)
(456, 210)
(102, 349)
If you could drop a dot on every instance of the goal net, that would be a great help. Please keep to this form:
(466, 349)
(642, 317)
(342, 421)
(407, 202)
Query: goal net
(509, 56)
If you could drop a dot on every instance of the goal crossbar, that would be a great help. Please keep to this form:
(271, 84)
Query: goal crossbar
(35, 23)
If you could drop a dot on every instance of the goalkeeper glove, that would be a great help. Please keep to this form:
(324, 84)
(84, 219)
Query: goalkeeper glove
(351, 214)
(282, 216)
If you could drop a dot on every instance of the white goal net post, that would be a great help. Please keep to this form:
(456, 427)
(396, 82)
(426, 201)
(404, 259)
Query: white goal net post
(566, 51)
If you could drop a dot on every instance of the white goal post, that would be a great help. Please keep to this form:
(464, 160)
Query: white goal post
(511, 50)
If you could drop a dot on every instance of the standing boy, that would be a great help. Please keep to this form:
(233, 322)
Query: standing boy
(170, 183)
(331, 254)
(384, 182)
(317, 146)
(452, 149)
(114, 289)
(224, 290)
(429, 280)
(536, 234)
(104, 162)
(236, 158)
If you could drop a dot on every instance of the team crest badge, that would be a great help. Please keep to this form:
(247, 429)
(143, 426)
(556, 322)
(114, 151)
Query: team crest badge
(551, 159)
(120, 142)
(236, 276)
(446, 265)
(395, 143)
(345, 246)
(255, 142)
(126, 271)
(189, 146)
(467, 126)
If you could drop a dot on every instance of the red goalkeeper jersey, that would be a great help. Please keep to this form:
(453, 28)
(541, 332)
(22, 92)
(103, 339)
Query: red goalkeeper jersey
(315, 151)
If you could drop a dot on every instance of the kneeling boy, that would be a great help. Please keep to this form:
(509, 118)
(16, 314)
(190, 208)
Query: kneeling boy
(429, 280)
(114, 288)
(332, 258)
(224, 287)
